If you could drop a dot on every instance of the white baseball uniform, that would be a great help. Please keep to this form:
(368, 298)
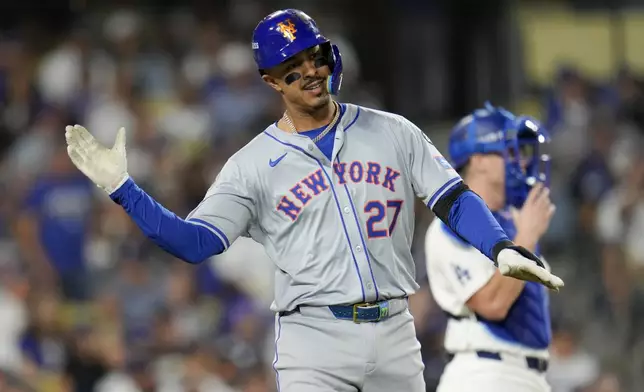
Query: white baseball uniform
(506, 356)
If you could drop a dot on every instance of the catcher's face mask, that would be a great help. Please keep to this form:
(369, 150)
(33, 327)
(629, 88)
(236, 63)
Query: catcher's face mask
(525, 163)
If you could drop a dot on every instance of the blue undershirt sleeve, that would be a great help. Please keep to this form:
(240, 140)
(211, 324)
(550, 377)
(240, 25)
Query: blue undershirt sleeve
(471, 219)
(186, 240)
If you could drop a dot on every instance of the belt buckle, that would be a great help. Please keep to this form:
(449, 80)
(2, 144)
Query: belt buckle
(361, 305)
(383, 312)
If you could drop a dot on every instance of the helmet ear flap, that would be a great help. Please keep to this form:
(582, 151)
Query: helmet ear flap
(334, 60)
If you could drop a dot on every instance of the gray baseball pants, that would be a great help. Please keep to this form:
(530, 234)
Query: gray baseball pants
(315, 352)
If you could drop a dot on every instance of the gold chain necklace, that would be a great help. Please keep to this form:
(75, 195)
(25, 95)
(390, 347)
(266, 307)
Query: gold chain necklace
(328, 128)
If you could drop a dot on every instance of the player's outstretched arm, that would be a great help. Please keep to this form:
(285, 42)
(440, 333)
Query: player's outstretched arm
(107, 168)
(442, 189)
(468, 216)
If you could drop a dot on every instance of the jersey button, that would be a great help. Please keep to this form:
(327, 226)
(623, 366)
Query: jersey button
(369, 286)
(359, 248)
(310, 147)
(347, 210)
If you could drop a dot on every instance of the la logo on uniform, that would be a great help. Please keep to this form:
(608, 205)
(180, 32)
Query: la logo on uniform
(287, 28)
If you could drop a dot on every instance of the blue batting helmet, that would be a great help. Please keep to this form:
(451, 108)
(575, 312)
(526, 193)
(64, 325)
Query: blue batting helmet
(285, 33)
(493, 130)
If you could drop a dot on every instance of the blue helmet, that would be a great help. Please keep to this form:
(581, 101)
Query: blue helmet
(494, 130)
(285, 33)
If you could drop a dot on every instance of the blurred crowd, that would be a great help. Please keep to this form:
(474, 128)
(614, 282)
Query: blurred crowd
(88, 304)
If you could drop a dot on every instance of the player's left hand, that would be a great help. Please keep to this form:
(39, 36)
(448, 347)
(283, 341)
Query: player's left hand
(520, 263)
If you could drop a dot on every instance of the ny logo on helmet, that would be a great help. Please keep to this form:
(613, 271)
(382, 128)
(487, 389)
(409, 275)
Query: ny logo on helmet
(287, 28)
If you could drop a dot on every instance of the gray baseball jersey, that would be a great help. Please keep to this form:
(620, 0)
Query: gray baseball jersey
(339, 231)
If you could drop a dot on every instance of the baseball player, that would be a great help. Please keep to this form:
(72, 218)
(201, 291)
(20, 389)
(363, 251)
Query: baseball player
(328, 190)
(498, 330)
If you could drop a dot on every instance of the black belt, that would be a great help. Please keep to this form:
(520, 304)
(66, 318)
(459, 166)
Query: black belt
(534, 363)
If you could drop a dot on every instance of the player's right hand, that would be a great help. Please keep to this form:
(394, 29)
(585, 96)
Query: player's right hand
(106, 167)
(533, 219)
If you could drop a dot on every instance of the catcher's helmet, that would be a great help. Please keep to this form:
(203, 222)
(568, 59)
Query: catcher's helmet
(531, 136)
(496, 131)
(283, 34)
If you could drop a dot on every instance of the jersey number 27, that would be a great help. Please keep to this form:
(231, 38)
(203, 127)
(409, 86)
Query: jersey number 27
(378, 211)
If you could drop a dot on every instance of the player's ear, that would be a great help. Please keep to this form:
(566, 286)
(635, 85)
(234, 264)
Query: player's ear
(272, 82)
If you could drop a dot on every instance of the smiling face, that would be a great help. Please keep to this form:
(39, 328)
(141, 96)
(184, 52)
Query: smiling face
(302, 80)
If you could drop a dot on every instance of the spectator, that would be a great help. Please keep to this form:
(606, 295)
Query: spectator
(608, 382)
(571, 368)
(621, 219)
(198, 373)
(199, 64)
(53, 225)
(191, 320)
(14, 289)
(593, 177)
(85, 366)
(568, 119)
(20, 100)
(246, 264)
(624, 96)
(110, 349)
(61, 70)
(239, 105)
(138, 296)
(42, 342)
(188, 120)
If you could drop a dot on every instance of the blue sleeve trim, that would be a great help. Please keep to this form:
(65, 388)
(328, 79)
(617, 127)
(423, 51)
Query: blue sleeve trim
(186, 240)
(213, 228)
(470, 219)
(442, 191)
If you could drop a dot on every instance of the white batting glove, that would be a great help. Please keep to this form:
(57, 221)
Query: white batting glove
(106, 167)
(522, 264)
